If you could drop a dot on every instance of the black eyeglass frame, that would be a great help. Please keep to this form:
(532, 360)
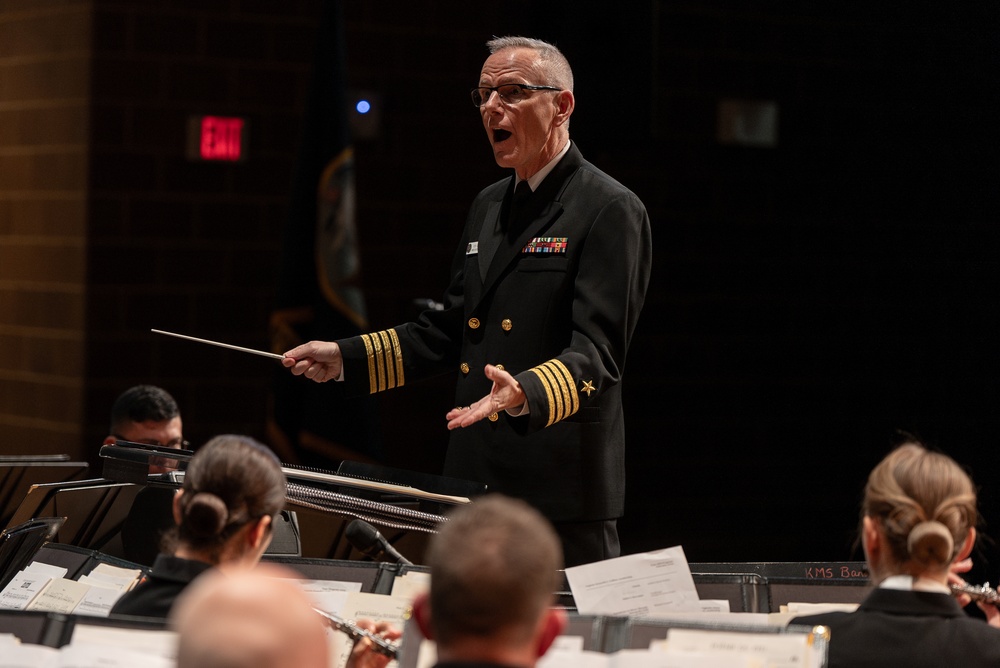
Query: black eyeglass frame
(181, 445)
(496, 89)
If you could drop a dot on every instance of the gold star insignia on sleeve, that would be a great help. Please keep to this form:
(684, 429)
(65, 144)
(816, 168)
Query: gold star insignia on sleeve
(588, 387)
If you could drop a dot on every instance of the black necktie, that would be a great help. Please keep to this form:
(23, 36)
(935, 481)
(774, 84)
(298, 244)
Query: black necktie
(492, 236)
(517, 204)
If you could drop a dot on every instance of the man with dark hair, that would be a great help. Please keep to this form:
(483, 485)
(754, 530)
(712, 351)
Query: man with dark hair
(148, 414)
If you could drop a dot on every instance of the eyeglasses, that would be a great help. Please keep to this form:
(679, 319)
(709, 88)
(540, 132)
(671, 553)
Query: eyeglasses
(176, 444)
(509, 93)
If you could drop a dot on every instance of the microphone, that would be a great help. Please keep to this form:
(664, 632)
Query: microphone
(366, 539)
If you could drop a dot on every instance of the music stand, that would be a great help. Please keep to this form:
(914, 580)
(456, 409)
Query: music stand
(330, 497)
(94, 509)
(20, 544)
(19, 472)
(126, 461)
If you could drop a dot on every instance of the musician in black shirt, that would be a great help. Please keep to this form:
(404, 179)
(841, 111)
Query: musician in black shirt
(233, 490)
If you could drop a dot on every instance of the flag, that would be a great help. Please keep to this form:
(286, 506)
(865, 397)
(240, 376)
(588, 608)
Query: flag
(319, 294)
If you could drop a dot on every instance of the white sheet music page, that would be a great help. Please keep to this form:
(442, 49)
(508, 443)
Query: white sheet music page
(23, 589)
(329, 595)
(655, 658)
(375, 607)
(645, 584)
(562, 658)
(98, 656)
(774, 650)
(112, 640)
(30, 656)
(98, 601)
(60, 595)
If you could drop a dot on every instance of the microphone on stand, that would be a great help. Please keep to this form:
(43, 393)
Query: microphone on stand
(366, 539)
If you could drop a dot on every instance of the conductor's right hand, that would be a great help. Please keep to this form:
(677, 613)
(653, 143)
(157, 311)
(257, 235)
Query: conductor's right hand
(319, 360)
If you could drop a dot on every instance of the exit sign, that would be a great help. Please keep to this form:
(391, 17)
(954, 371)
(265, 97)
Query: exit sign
(217, 138)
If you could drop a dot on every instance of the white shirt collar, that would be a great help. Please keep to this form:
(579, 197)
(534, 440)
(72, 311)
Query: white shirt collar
(536, 179)
(907, 583)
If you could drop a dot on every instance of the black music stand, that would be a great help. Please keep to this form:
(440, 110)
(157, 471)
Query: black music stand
(126, 461)
(19, 472)
(803, 582)
(94, 509)
(150, 514)
(20, 544)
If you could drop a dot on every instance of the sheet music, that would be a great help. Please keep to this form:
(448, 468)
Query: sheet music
(641, 658)
(61, 595)
(644, 584)
(151, 643)
(98, 601)
(376, 607)
(411, 584)
(46, 569)
(125, 577)
(106, 656)
(17, 655)
(562, 657)
(23, 589)
(774, 650)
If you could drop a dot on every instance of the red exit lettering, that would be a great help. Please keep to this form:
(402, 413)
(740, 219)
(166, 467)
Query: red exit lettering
(221, 138)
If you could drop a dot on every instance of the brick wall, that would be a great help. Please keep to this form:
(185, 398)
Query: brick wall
(44, 110)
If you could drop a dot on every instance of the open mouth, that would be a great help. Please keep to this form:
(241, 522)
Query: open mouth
(501, 135)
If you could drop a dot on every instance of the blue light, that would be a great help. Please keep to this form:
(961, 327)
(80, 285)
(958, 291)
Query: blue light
(363, 106)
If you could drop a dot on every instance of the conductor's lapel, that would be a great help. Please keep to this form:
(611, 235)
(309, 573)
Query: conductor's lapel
(551, 190)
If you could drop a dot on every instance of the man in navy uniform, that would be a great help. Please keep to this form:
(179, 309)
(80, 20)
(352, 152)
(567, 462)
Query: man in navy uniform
(547, 285)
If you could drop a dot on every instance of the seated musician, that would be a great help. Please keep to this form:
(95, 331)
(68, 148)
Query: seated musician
(919, 517)
(258, 618)
(494, 573)
(233, 490)
(148, 414)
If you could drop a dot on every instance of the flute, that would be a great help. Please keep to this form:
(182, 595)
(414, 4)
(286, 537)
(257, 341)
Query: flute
(983, 592)
(356, 633)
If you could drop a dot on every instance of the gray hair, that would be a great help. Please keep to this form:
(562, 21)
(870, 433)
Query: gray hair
(553, 61)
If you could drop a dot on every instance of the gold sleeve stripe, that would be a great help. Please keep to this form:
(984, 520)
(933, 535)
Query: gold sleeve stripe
(559, 389)
(385, 360)
(548, 392)
(399, 357)
(556, 409)
(567, 386)
(369, 351)
(388, 380)
(379, 362)
(574, 397)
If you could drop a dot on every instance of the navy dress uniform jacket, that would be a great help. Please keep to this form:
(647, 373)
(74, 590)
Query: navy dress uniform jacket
(556, 307)
(907, 628)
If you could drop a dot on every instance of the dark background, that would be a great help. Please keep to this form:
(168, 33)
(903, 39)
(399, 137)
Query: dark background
(807, 299)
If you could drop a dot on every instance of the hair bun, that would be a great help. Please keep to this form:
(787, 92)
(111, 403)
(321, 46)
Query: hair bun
(930, 543)
(206, 514)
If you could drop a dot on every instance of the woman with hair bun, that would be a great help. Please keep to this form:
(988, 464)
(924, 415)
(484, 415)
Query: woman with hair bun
(233, 490)
(918, 519)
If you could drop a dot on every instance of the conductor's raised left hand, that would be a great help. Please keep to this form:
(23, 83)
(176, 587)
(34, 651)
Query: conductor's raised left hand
(505, 394)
